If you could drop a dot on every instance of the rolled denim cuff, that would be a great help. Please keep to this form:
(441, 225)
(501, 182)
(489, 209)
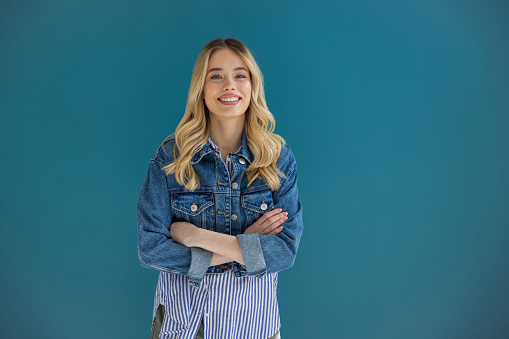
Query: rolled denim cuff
(252, 253)
(200, 262)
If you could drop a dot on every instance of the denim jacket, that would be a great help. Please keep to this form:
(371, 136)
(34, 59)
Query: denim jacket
(222, 205)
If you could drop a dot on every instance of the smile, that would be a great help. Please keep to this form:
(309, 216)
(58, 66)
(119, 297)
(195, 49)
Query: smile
(230, 99)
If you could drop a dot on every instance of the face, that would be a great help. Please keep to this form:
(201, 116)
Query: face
(227, 88)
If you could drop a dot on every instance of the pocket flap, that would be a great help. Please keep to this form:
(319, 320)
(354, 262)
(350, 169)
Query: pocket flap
(192, 203)
(260, 201)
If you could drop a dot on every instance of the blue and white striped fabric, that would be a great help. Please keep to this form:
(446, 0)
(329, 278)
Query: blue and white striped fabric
(229, 164)
(231, 307)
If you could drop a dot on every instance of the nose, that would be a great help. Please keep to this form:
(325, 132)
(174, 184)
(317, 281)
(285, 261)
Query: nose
(229, 84)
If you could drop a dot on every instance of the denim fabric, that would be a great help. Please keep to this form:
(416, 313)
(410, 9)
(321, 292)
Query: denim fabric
(221, 204)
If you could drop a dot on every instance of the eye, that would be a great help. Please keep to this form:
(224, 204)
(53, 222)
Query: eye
(216, 76)
(240, 76)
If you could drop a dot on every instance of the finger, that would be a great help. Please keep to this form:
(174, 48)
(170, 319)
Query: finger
(276, 231)
(272, 219)
(264, 217)
(281, 219)
(275, 218)
(272, 213)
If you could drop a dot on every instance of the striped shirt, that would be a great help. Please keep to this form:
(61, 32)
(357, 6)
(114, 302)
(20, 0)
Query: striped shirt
(229, 164)
(231, 307)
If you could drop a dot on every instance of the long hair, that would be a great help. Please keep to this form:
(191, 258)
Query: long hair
(193, 130)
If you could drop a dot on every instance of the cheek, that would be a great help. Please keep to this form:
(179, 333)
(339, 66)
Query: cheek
(247, 87)
(247, 101)
(209, 90)
(209, 100)
(207, 103)
(247, 91)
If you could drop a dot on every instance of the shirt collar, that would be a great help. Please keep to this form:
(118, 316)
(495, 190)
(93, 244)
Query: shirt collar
(206, 149)
(218, 151)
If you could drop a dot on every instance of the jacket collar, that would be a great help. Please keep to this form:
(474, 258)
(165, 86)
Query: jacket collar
(244, 150)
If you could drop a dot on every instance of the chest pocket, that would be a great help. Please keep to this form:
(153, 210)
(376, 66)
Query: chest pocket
(255, 204)
(196, 208)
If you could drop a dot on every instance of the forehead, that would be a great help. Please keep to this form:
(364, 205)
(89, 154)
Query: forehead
(226, 59)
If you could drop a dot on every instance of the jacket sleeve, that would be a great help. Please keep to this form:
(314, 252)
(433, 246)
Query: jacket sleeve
(273, 253)
(155, 247)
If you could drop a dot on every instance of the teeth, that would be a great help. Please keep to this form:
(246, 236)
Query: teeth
(230, 99)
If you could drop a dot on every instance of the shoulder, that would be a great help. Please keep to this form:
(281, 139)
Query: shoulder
(286, 162)
(165, 154)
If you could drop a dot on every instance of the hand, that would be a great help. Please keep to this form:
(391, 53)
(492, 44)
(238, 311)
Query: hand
(269, 223)
(183, 232)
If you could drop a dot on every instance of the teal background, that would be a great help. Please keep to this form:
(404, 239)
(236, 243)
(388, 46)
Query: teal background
(397, 113)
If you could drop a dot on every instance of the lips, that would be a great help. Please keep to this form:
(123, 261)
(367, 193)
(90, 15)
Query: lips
(230, 97)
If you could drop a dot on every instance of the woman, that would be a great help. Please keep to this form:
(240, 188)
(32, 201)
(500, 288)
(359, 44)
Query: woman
(219, 213)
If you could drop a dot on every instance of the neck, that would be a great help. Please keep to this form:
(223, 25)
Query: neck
(227, 133)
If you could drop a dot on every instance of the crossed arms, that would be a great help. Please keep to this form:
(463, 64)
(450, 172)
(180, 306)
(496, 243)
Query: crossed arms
(226, 248)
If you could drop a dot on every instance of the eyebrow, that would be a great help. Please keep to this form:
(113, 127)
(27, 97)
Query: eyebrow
(220, 69)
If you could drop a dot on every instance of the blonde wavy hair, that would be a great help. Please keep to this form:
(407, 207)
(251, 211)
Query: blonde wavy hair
(193, 130)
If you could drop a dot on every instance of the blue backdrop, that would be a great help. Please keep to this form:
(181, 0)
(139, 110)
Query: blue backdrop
(398, 115)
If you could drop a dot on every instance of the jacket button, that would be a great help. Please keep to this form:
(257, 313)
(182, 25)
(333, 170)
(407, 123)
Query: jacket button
(263, 206)
(235, 185)
(194, 207)
(234, 217)
(242, 161)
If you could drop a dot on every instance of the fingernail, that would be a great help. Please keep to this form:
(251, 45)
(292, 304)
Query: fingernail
(285, 218)
(280, 209)
(286, 213)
